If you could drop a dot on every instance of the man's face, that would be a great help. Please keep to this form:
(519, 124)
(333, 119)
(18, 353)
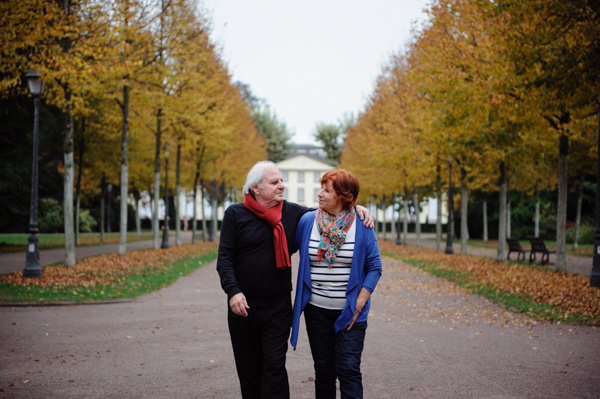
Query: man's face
(271, 193)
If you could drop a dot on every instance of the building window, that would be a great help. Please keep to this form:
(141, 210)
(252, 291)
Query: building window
(317, 176)
(316, 198)
(300, 177)
(284, 176)
(300, 194)
(285, 194)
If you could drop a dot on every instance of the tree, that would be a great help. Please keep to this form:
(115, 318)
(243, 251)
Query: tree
(275, 133)
(331, 138)
(63, 45)
(141, 57)
(555, 62)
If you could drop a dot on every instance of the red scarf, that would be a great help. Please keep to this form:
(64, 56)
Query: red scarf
(273, 217)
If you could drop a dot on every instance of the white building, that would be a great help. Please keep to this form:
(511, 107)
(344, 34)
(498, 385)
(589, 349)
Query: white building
(186, 206)
(301, 174)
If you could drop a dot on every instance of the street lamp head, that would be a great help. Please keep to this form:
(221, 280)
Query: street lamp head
(35, 83)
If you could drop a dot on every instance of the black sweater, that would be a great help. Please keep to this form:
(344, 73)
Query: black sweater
(246, 261)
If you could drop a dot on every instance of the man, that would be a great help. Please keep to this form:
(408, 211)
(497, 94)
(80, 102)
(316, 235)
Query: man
(257, 239)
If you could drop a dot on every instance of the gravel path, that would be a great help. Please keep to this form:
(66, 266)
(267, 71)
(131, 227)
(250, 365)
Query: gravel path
(426, 339)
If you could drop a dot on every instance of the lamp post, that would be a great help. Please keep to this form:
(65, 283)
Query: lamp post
(165, 237)
(595, 276)
(32, 261)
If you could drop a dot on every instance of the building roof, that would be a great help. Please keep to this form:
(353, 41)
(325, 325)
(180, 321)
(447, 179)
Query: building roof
(309, 149)
(304, 162)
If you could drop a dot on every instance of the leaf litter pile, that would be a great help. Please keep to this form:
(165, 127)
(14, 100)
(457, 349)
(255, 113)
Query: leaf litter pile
(569, 293)
(109, 269)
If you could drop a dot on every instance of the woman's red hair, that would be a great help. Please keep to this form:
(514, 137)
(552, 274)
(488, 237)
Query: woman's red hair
(345, 185)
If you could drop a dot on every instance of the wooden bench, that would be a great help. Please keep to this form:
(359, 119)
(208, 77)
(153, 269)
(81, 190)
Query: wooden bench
(515, 246)
(538, 246)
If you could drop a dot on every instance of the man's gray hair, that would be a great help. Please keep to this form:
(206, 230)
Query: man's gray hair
(256, 175)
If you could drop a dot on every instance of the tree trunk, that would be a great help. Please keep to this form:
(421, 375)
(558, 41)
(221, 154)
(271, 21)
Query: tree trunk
(502, 214)
(485, 222)
(406, 217)
(438, 222)
(68, 186)
(203, 192)
(156, 199)
(418, 217)
(138, 221)
(178, 196)
(464, 201)
(194, 211)
(102, 202)
(384, 221)
(124, 173)
(197, 181)
(578, 215)
(537, 213)
(69, 170)
(213, 227)
(595, 275)
(508, 212)
(77, 211)
(398, 200)
(80, 152)
(450, 233)
(393, 221)
(561, 214)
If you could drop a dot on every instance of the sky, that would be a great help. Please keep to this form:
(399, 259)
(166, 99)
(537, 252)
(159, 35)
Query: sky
(311, 60)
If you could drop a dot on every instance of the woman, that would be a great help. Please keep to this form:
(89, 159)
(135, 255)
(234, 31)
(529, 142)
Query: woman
(339, 269)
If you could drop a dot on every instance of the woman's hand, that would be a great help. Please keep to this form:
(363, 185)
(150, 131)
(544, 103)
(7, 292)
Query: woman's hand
(364, 215)
(361, 300)
(238, 305)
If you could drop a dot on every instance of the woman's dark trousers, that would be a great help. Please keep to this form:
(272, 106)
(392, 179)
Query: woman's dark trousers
(334, 354)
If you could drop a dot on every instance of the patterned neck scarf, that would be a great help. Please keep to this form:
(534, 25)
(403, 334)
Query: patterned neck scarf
(333, 231)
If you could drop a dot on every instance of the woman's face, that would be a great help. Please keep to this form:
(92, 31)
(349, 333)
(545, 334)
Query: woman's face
(329, 200)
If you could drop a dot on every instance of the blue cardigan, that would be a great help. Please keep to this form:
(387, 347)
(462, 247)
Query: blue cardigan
(365, 272)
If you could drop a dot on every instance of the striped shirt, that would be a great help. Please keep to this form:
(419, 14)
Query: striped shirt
(328, 288)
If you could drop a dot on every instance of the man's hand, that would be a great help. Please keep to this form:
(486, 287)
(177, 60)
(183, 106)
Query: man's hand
(364, 215)
(238, 305)
(361, 300)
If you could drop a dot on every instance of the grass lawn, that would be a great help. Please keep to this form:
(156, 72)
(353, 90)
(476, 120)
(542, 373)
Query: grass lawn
(107, 277)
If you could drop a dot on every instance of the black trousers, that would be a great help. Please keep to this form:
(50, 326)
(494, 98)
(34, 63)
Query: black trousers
(260, 343)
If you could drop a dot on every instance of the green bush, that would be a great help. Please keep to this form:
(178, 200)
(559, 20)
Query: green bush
(50, 220)
(586, 234)
(86, 221)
